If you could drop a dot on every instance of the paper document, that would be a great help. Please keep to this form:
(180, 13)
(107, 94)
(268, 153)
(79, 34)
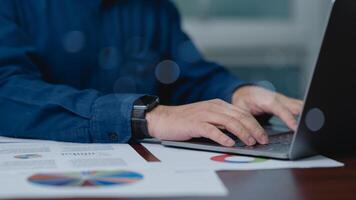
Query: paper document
(192, 159)
(48, 169)
(121, 182)
(66, 156)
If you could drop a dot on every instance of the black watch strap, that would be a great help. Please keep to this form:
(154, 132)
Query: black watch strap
(139, 127)
(138, 119)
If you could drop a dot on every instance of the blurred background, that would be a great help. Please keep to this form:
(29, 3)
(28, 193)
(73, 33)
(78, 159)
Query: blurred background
(274, 40)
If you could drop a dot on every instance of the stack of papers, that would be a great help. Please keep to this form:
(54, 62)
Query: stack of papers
(48, 169)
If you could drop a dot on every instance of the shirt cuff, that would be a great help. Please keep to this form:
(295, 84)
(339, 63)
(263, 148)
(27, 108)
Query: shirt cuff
(111, 122)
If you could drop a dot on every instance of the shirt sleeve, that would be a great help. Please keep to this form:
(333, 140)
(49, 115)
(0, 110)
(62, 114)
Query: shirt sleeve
(31, 107)
(198, 79)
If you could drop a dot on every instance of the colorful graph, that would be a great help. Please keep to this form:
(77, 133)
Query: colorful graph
(226, 158)
(86, 178)
(27, 156)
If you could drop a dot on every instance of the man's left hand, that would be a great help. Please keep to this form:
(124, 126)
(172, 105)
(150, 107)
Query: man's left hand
(258, 101)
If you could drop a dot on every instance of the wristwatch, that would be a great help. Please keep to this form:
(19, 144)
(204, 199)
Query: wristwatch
(142, 106)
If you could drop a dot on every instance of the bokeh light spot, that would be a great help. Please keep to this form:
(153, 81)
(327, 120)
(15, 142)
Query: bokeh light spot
(314, 119)
(266, 85)
(265, 98)
(74, 41)
(167, 72)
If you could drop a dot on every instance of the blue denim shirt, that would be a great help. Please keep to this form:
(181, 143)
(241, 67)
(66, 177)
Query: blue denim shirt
(70, 70)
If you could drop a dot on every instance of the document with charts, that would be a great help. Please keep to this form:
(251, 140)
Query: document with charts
(113, 183)
(192, 159)
(47, 169)
(57, 155)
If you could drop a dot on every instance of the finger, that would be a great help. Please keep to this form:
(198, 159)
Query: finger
(246, 119)
(232, 125)
(295, 109)
(254, 128)
(294, 105)
(213, 133)
(285, 115)
(249, 122)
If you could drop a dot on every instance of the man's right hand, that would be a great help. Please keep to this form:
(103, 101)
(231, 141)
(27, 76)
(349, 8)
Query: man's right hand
(204, 119)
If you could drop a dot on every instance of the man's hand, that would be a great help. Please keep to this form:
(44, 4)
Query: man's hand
(205, 119)
(258, 101)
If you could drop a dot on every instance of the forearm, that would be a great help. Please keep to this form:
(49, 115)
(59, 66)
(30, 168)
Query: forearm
(32, 108)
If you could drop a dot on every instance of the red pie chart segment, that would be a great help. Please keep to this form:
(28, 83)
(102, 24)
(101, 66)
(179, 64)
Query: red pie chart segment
(226, 158)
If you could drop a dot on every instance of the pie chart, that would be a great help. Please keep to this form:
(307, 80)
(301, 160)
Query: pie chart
(86, 178)
(226, 158)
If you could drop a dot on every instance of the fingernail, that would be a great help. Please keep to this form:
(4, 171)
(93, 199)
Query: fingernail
(230, 143)
(264, 139)
(251, 141)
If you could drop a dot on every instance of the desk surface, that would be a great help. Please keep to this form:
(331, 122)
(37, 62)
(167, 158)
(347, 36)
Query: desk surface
(329, 183)
(290, 184)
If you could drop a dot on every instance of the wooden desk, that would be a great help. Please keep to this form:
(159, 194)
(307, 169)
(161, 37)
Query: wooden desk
(290, 184)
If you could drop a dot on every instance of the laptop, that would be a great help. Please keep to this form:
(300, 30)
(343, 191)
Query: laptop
(326, 123)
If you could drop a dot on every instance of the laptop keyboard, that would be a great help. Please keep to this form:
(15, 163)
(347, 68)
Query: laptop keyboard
(283, 138)
(277, 143)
